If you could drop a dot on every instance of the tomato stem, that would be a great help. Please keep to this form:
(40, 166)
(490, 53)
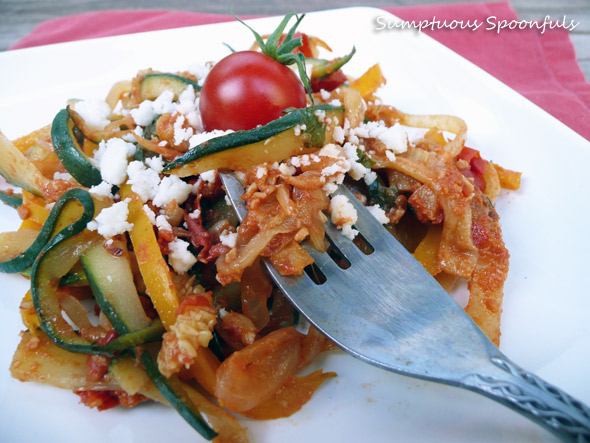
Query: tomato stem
(283, 52)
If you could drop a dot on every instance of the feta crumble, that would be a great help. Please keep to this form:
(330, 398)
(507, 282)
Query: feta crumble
(144, 114)
(286, 169)
(151, 215)
(228, 238)
(113, 160)
(171, 188)
(162, 223)
(394, 138)
(261, 172)
(103, 189)
(62, 176)
(94, 112)
(209, 176)
(112, 220)
(200, 71)
(338, 134)
(324, 94)
(181, 133)
(343, 215)
(156, 163)
(164, 103)
(129, 136)
(144, 181)
(330, 150)
(378, 212)
(180, 258)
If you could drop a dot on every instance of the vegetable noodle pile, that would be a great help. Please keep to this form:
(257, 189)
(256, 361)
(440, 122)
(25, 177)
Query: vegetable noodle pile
(144, 286)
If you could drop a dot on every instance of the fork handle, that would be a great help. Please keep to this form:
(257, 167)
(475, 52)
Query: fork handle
(532, 397)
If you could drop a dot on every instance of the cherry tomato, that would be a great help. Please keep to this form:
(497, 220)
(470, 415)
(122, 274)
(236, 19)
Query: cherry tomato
(246, 89)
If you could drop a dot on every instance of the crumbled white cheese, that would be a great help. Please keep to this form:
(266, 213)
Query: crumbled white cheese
(330, 188)
(330, 150)
(62, 176)
(180, 258)
(118, 109)
(349, 231)
(186, 101)
(103, 189)
(343, 215)
(156, 163)
(162, 223)
(209, 176)
(324, 94)
(336, 102)
(194, 119)
(298, 129)
(305, 160)
(112, 220)
(151, 215)
(394, 138)
(261, 172)
(240, 175)
(321, 115)
(171, 188)
(144, 181)
(228, 238)
(378, 212)
(370, 177)
(195, 214)
(200, 71)
(163, 104)
(129, 136)
(338, 134)
(357, 170)
(286, 169)
(334, 169)
(94, 112)
(390, 155)
(113, 160)
(180, 132)
(144, 114)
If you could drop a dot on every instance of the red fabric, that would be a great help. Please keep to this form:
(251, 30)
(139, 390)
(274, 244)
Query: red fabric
(542, 67)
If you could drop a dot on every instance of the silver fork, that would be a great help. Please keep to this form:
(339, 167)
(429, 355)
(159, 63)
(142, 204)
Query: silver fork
(387, 310)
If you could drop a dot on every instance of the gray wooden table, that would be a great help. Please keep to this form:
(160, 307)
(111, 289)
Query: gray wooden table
(19, 17)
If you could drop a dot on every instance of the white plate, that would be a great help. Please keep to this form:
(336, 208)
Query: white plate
(546, 307)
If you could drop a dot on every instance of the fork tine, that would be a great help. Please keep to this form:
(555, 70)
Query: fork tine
(321, 259)
(343, 243)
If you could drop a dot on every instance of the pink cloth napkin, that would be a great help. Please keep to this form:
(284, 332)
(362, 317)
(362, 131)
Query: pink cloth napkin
(540, 66)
